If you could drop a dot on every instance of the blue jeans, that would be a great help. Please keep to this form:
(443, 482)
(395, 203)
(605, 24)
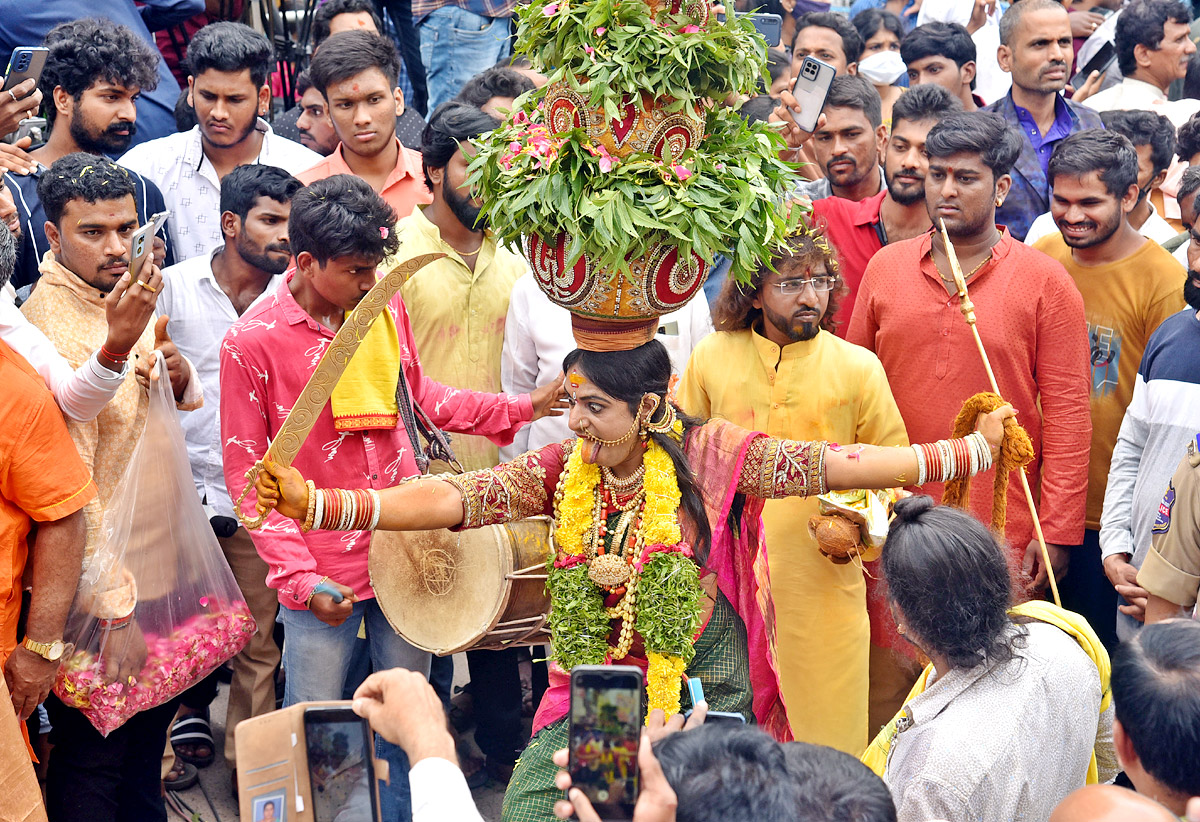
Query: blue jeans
(317, 658)
(457, 44)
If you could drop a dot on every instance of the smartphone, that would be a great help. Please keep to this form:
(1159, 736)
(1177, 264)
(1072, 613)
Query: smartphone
(810, 90)
(142, 243)
(341, 765)
(696, 692)
(770, 26)
(26, 62)
(605, 730)
(1101, 60)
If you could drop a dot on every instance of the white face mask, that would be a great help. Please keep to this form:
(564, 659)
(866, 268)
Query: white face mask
(882, 68)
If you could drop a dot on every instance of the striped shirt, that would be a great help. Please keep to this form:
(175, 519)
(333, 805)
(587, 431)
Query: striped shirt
(1161, 419)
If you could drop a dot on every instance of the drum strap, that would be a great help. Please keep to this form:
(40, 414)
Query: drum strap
(420, 427)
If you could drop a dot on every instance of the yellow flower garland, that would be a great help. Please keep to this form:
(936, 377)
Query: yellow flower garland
(660, 520)
(663, 683)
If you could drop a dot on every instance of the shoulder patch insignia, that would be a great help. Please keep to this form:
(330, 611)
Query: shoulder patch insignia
(1162, 522)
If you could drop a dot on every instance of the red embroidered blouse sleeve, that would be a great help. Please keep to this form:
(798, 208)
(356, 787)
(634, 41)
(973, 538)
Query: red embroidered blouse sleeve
(776, 468)
(520, 488)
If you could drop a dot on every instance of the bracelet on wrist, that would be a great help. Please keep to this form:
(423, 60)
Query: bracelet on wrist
(340, 509)
(313, 593)
(947, 460)
(117, 623)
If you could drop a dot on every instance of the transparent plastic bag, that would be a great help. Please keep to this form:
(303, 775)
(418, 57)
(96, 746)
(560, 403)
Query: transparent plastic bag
(160, 557)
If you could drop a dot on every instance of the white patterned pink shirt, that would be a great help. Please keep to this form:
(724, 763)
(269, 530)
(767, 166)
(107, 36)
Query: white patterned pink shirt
(266, 359)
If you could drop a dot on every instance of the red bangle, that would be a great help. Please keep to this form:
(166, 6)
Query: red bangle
(114, 624)
(114, 357)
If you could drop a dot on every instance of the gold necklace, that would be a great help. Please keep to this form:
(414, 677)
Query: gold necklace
(950, 280)
(623, 486)
(459, 252)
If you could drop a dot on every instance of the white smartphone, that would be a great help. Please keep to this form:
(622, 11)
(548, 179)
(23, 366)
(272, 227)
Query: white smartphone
(26, 62)
(810, 90)
(142, 243)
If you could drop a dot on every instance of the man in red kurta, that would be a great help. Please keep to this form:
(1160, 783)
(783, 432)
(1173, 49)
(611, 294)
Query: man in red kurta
(1030, 317)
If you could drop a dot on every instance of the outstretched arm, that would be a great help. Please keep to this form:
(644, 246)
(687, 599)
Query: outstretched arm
(780, 468)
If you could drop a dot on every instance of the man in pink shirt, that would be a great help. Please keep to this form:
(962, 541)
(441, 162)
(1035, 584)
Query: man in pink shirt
(339, 231)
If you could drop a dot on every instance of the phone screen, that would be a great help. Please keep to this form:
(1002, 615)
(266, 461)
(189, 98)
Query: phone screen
(606, 721)
(340, 767)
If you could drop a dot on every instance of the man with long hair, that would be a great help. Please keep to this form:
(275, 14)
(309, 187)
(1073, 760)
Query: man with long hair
(775, 367)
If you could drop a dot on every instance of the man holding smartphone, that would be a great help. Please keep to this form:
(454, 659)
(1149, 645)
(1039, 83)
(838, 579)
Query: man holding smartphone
(95, 73)
(91, 218)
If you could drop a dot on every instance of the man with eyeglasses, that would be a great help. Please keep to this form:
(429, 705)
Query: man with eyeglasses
(775, 367)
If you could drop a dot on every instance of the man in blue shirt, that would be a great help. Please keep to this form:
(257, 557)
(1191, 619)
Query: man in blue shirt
(26, 23)
(1036, 49)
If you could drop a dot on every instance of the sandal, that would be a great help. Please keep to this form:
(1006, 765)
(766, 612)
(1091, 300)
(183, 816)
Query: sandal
(182, 776)
(190, 734)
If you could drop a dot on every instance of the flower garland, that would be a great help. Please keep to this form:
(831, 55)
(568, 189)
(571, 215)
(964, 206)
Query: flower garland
(661, 596)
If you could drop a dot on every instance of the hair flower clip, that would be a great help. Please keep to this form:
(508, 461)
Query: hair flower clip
(383, 232)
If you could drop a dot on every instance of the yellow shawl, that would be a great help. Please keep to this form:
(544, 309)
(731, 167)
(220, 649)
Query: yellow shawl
(876, 754)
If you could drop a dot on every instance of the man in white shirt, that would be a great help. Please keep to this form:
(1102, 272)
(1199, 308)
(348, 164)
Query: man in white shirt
(203, 297)
(1153, 139)
(227, 87)
(1153, 48)
(537, 336)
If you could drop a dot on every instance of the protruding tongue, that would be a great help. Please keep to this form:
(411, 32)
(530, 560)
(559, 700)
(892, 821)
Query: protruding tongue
(590, 450)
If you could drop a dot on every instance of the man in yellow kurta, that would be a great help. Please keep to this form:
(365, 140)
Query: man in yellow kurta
(457, 307)
(773, 366)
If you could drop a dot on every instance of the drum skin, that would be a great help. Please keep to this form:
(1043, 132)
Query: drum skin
(480, 589)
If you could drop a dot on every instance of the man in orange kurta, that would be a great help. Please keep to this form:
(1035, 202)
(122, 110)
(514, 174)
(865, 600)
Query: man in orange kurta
(1030, 318)
(43, 480)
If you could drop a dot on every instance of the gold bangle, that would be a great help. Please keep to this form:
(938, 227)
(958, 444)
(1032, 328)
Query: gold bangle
(312, 507)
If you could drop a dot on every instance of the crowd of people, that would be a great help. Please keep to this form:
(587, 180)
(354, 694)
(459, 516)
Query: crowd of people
(935, 682)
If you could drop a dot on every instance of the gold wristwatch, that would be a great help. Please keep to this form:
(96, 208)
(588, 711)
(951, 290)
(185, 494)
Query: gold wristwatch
(49, 651)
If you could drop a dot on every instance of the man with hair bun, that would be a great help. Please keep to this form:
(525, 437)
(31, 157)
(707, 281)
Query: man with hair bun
(1030, 317)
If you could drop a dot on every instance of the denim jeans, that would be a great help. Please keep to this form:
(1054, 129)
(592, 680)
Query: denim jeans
(400, 11)
(317, 658)
(457, 44)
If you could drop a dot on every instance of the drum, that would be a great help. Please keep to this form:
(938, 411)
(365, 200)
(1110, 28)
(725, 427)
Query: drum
(480, 589)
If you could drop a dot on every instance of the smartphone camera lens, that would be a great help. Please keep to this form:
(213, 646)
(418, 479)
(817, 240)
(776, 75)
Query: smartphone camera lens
(810, 69)
(23, 63)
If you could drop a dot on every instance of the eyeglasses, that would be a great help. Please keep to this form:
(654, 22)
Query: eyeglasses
(790, 288)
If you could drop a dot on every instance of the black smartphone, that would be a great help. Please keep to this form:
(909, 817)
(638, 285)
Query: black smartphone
(770, 26)
(341, 765)
(1100, 62)
(25, 62)
(605, 730)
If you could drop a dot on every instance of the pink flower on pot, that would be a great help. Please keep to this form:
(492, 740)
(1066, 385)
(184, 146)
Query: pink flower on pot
(550, 10)
(681, 172)
(600, 31)
(590, 51)
(689, 29)
(607, 161)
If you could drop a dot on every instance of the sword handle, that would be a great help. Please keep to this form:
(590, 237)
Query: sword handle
(251, 523)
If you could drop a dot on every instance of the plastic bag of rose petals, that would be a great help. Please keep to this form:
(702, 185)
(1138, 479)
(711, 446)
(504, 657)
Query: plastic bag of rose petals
(157, 607)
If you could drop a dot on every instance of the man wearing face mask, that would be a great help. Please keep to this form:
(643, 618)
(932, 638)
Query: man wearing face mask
(773, 366)
(859, 229)
(1036, 49)
(1130, 285)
